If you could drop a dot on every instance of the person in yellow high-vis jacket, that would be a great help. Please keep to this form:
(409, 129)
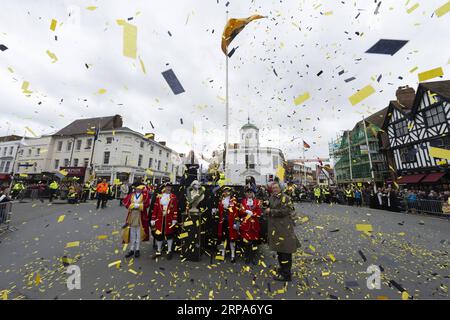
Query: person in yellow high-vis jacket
(53, 188)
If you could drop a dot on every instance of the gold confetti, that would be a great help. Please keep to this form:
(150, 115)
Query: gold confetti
(61, 218)
(430, 74)
(72, 244)
(301, 98)
(361, 95)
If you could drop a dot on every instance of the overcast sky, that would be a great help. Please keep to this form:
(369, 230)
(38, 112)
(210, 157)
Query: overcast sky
(297, 40)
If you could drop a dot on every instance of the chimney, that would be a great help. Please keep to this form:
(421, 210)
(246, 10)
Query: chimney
(117, 121)
(163, 143)
(405, 96)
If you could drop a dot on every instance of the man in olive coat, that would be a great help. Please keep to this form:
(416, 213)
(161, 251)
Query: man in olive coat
(281, 235)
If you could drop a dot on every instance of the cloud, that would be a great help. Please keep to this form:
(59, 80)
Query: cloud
(295, 40)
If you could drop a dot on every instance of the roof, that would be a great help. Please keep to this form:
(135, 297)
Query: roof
(442, 88)
(249, 126)
(378, 117)
(10, 138)
(81, 126)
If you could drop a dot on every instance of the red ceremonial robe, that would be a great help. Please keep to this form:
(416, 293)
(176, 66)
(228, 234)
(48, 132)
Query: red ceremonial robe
(127, 202)
(233, 215)
(250, 228)
(172, 214)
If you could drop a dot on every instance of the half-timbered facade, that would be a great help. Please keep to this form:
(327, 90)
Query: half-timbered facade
(415, 125)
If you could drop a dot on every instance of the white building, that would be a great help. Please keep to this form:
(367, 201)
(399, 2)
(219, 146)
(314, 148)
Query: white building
(34, 157)
(8, 150)
(248, 158)
(117, 153)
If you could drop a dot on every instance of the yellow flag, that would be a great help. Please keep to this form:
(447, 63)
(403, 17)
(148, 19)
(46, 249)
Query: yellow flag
(232, 29)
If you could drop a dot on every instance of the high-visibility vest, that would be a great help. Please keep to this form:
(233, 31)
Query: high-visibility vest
(348, 193)
(317, 192)
(18, 186)
(53, 185)
(326, 191)
(102, 187)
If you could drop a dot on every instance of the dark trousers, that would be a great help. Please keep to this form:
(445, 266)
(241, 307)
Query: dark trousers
(358, 202)
(102, 198)
(84, 195)
(350, 201)
(52, 194)
(285, 261)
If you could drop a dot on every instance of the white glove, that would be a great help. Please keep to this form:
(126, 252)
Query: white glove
(249, 213)
(152, 223)
(174, 222)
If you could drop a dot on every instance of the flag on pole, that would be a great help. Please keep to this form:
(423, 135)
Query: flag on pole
(305, 145)
(232, 29)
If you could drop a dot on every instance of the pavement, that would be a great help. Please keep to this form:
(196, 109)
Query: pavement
(411, 252)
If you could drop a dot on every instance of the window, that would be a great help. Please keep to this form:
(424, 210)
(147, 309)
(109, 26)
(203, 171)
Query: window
(75, 162)
(408, 154)
(251, 161)
(69, 145)
(166, 167)
(66, 163)
(167, 155)
(435, 116)
(140, 160)
(150, 162)
(59, 146)
(160, 152)
(2, 164)
(11, 150)
(4, 151)
(109, 140)
(78, 145)
(56, 164)
(401, 128)
(159, 164)
(29, 152)
(106, 157)
(151, 148)
(7, 166)
(89, 143)
(142, 144)
(38, 151)
(275, 162)
(86, 162)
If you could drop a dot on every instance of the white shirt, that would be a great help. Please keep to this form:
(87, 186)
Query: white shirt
(226, 202)
(165, 198)
(250, 202)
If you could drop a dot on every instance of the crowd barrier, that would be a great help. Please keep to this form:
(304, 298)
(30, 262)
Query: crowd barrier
(5, 215)
(434, 207)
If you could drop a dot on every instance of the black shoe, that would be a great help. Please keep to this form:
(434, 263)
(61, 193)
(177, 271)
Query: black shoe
(282, 278)
(233, 260)
(137, 254)
(169, 255)
(129, 254)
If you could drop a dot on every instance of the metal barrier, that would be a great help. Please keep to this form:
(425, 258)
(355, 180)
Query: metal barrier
(5, 215)
(436, 207)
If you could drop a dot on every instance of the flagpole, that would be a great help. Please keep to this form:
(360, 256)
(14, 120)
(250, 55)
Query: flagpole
(227, 110)
(370, 157)
(350, 156)
(304, 165)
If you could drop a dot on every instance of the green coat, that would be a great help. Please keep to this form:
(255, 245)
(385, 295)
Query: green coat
(281, 235)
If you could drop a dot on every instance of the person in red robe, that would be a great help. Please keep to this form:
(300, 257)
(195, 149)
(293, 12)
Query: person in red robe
(136, 224)
(228, 228)
(164, 220)
(250, 211)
